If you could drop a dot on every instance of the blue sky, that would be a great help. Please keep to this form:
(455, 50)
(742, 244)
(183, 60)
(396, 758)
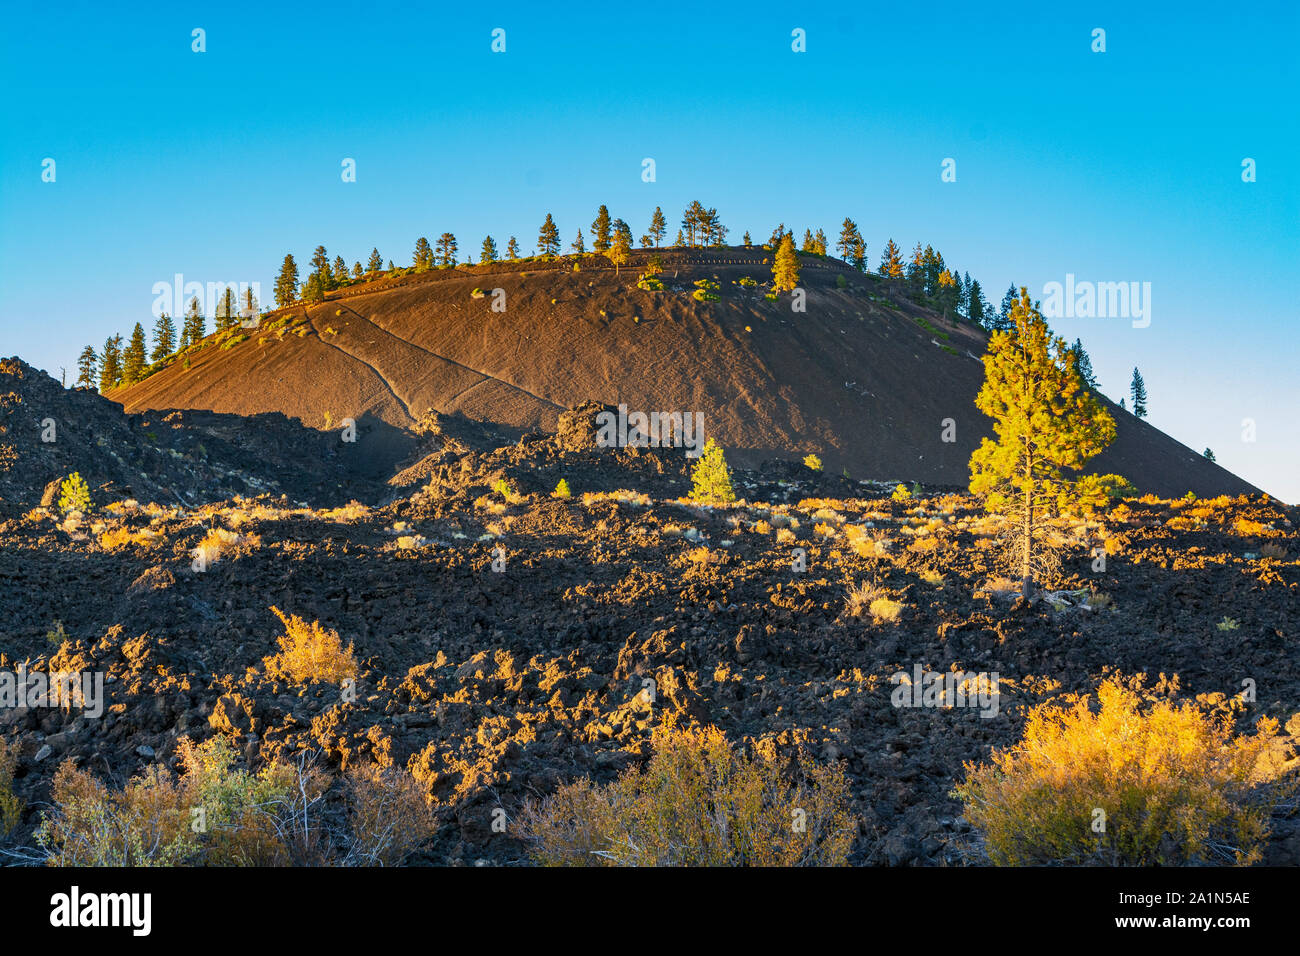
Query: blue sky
(1115, 166)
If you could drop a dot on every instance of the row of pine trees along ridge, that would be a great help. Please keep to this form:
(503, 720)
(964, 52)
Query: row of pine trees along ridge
(924, 277)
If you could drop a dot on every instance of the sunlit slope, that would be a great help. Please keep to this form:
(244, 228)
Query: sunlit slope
(862, 377)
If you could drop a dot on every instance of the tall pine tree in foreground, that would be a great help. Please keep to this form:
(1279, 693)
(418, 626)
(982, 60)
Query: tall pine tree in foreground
(1045, 419)
(376, 262)
(87, 367)
(1138, 389)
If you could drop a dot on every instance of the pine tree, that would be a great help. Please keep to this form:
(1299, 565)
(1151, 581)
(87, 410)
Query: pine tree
(785, 266)
(916, 270)
(620, 244)
(194, 328)
(422, 258)
(859, 257)
(1138, 389)
(313, 290)
(133, 357)
(692, 222)
(286, 283)
(375, 262)
(227, 311)
(489, 253)
(1008, 301)
(891, 261)
(946, 292)
(658, 227)
(358, 273)
(846, 244)
(447, 249)
(1085, 363)
(390, 265)
(548, 238)
(1045, 421)
(110, 369)
(579, 245)
(164, 338)
(340, 273)
(777, 235)
(680, 240)
(710, 476)
(975, 307)
(746, 240)
(248, 308)
(600, 230)
(320, 267)
(512, 249)
(807, 241)
(87, 367)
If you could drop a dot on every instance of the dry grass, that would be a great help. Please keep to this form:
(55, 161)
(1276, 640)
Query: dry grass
(220, 541)
(389, 815)
(309, 652)
(871, 599)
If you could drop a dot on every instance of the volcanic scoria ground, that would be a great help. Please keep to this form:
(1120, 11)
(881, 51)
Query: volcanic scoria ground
(494, 686)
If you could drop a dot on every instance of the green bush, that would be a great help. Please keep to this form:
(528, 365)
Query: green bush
(711, 478)
(74, 495)
(699, 802)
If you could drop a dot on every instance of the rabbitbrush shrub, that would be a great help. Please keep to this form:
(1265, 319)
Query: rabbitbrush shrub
(1137, 780)
(212, 814)
(309, 652)
(698, 802)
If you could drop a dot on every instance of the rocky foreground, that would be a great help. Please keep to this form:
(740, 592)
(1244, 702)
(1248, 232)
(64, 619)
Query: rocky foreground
(506, 636)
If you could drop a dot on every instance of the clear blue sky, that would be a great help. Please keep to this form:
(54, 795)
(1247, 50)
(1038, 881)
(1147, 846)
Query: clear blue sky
(1115, 166)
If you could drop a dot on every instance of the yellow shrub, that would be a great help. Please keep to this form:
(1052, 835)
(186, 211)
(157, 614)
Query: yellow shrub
(698, 802)
(1139, 780)
(309, 652)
